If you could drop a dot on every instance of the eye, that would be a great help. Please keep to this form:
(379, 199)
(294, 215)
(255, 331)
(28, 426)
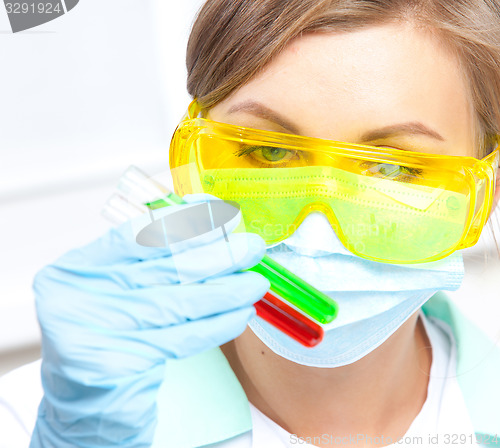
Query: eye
(386, 170)
(274, 154)
(389, 171)
(268, 156)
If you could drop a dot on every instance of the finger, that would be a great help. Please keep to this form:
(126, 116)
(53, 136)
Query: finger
(116, 353)
(217, 296)
(200, 300)
(188, 339)
(240, 251)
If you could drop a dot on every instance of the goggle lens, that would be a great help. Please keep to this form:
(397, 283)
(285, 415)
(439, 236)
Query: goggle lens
(384, 204)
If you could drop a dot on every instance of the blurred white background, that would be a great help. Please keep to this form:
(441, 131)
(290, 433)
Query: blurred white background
(81, 99)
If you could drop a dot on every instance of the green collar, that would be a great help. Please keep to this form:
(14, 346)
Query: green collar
(202, 402)
(478, 366)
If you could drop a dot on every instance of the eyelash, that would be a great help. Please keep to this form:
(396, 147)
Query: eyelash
(245, 150)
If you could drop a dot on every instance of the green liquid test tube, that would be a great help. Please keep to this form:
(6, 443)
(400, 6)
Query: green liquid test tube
(292, 288)
(286, 284)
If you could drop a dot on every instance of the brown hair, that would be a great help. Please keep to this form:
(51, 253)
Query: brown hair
(232, 40)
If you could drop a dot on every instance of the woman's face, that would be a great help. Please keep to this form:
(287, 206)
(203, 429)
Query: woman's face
(389, 85)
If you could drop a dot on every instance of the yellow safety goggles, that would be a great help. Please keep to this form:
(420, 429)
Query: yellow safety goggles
(384, 204)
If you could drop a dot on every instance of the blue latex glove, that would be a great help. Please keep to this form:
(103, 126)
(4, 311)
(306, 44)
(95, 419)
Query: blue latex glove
(113, 313)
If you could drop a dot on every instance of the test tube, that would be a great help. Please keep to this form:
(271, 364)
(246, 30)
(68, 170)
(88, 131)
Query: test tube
(289, 320)
(270, 308)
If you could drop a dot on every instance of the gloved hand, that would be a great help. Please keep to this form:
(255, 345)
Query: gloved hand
(113, 313)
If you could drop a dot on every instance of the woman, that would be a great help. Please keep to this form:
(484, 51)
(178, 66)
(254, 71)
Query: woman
(402, 81)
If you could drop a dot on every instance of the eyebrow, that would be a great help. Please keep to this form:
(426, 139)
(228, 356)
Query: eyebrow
(409, 128)
(259, 110)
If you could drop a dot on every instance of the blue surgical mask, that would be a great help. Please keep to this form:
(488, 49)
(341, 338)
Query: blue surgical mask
(374, 299)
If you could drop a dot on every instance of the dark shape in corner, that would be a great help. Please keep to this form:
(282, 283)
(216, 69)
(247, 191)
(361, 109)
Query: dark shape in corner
(31, 13)
(70, 4)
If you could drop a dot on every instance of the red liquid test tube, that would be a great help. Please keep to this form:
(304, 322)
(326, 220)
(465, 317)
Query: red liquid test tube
(289, 320)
